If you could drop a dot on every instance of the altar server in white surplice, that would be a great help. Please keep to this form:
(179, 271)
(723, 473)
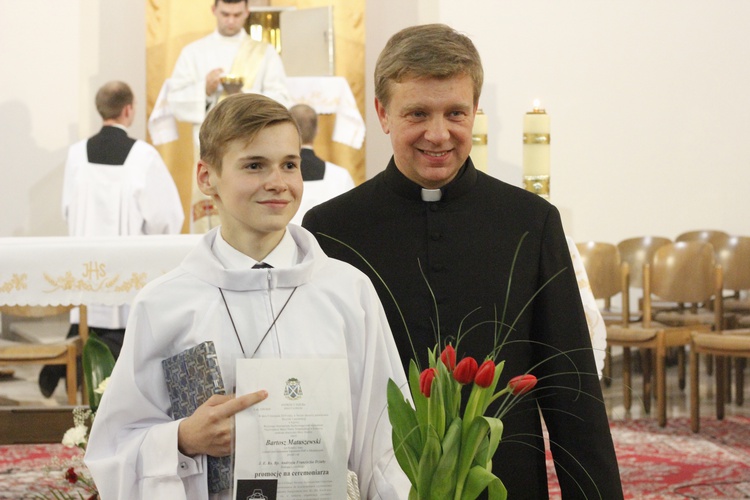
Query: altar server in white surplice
(114, 185)
(323, 180)
(250, 273)
(195, 85)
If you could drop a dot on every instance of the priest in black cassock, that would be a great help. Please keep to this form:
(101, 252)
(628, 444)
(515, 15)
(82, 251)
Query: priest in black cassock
(443, 238)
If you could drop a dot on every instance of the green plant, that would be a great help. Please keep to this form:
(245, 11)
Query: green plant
(98, 363)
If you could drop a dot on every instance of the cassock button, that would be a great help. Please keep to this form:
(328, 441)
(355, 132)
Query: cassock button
(434, 207)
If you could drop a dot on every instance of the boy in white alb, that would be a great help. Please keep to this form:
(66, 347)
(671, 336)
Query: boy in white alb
(317, 306)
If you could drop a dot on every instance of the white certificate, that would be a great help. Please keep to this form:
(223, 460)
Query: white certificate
(294, 444)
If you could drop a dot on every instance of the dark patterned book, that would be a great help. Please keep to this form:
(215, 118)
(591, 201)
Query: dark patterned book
(193, 376)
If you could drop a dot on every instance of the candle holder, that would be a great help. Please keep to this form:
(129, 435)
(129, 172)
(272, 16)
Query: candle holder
(536, 152)
(538, 184)
(479, 141)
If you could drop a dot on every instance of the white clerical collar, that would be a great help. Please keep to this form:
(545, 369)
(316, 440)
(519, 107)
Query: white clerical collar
(117, 125)
(283, 256)
(431, 194)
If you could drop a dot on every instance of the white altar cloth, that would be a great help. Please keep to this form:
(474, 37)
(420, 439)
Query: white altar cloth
(331, 95)
(93, 270)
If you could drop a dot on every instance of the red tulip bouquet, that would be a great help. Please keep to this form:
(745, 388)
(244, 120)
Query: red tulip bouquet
(446, 450)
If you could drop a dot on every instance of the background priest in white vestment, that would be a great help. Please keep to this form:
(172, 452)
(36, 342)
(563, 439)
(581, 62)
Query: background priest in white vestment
(195, 85)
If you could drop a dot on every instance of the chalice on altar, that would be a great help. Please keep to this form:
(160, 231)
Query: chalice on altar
(232, 83)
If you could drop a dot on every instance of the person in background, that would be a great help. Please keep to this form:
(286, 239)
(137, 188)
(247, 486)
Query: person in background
(114, 185)
(251, 272)
(195, 85)
(443, 237)
(323, 180)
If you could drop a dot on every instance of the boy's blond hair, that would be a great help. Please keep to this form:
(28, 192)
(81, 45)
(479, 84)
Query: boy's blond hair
(238, 117)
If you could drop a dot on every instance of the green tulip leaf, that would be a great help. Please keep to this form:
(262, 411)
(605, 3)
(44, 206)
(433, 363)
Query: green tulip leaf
(427, 463)
(98, 363)
(469, 447)
(407, 440)
(480, 479)
(436, 411)
(420, 402)
(444, 480)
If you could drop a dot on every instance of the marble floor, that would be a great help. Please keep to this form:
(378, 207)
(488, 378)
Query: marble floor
(678, 401)
(21, 388)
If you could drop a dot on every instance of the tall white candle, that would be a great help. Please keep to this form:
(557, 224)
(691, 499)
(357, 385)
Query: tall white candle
(536, 152)
(479, 141)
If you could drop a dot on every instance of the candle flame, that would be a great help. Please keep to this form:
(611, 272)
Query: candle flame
(536, 105)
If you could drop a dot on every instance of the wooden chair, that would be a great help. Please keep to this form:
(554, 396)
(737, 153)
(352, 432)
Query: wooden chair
(734, 257)
(638, 251)
(723, 345)
(679, 272)
(602, 264)
(65, 353)
(716, 237)
(635, 252)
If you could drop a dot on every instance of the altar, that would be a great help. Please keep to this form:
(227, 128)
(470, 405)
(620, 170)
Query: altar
(57, 270)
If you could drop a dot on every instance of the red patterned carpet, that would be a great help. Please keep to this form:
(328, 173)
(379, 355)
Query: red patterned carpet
(655, 464)
(30, 470)
(673, 463)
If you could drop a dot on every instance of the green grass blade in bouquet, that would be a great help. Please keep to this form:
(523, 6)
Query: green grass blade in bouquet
(444, 480)
(98, 363)
(407, 439)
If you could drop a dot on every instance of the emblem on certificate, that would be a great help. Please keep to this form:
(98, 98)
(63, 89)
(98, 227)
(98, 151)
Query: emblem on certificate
(294, 444)
(293, 389)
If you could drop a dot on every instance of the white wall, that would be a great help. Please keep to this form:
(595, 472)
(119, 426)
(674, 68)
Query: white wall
(54, 55)
(648, 101)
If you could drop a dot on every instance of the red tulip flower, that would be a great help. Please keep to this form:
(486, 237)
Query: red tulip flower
(71, 476)
(425, 381)
(485, 374)
(522, 384)
(448, 357)
(465, 371)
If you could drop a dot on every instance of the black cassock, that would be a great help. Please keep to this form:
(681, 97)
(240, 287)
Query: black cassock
(464, 246)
